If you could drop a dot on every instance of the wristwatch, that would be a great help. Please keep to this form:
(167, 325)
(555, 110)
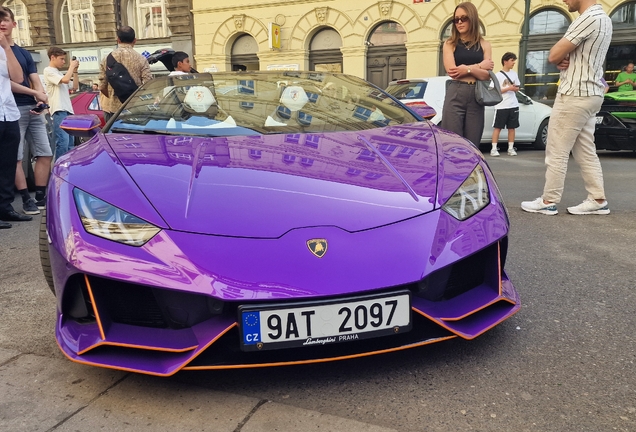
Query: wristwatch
(468, 70)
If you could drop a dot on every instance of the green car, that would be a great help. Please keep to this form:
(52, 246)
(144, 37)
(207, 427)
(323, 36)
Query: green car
(616, 122)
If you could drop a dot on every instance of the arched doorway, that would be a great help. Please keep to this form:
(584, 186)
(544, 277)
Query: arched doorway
(386, 56)
(324, 51)
(623, 49)
(244, 54)
(21, 35)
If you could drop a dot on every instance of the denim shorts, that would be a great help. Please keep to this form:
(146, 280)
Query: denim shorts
(33, 132)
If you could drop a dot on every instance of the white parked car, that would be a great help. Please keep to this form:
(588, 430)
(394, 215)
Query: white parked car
(533, 116)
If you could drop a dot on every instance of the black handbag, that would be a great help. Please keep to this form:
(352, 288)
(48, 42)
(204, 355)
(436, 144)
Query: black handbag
(488, 92)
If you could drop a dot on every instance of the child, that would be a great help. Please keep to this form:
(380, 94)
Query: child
(181, 63)
(58, 92)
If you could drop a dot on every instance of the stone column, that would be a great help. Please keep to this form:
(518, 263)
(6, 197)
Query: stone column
(354, 61)
(422, 59)
(106, 21)
(179, 17)
(41, 22)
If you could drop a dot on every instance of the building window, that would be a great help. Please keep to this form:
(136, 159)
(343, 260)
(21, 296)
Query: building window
(549, 21)
(547, 27)
(304, 119)
(94, 105)
(406, 152)
(387, 149)
(399, 132)
(624, 16)
(362, 113)
(78, 21)
(312, 140)
(292, 138)
(373, 176)
(389, 33)
(366, 155)
(246, 87)
(324, 51)
(21, 34)
(148, 18)
(623, 48)
(354, 172)
(313, 97)
(255, 154)
(289, 159)
(283, 112)
(306, 162)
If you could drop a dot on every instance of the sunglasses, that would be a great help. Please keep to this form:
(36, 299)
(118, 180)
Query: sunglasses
(461, 20)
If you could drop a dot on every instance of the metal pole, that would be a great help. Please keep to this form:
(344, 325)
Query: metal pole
(524, 44)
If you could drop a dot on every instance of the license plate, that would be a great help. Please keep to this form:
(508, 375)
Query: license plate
(599, 119)
(264, 327)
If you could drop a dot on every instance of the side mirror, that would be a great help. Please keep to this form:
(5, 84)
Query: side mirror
(422, 109)
(523, 99)
(83, 126)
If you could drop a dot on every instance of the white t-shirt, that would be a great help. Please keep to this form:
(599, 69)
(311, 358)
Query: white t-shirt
(59, 99)
(509, 97)
(8, 109)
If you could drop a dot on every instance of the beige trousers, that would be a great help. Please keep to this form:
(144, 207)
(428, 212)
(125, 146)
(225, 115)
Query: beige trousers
(571, 129)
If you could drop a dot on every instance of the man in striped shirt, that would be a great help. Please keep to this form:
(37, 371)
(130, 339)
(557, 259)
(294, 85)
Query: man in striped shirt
(580, 56)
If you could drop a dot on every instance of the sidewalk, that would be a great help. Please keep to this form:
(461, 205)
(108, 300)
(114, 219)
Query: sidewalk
(43, 394)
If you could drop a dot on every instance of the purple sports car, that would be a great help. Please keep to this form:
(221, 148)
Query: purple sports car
(245, 219)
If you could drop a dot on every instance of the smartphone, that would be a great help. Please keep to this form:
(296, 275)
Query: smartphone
(40, 108)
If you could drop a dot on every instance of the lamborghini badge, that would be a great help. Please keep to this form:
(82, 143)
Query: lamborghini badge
(317, 247)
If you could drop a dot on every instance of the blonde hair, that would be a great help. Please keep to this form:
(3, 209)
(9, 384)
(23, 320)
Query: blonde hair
(474, 35)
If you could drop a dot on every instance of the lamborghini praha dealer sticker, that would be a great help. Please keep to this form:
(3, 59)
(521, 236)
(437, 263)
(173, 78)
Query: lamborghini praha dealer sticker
(324, 322)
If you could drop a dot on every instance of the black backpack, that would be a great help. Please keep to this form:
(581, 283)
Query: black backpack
(119, 79)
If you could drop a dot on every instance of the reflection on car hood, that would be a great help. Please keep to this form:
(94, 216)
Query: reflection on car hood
(264, 186)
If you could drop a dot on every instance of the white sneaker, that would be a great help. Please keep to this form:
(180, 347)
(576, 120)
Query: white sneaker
(590, 206)
(537, 206)
(494, 152)
(512, 152)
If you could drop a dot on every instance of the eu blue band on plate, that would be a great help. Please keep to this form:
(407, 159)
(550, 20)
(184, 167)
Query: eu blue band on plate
(251, 328)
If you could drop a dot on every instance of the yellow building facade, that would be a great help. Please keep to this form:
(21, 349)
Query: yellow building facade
(384, 40)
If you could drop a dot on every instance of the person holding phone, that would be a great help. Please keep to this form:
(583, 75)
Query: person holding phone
(506, 111)
(59, 98)
(30, 97)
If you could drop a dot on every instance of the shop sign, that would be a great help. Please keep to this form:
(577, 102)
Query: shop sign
(89, 60)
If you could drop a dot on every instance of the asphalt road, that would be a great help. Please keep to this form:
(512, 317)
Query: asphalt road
(565, 362)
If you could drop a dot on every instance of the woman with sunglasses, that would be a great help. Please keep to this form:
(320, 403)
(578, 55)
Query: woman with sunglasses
(467, 58)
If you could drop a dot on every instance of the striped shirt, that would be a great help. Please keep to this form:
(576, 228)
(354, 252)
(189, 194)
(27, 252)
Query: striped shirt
(591, 32)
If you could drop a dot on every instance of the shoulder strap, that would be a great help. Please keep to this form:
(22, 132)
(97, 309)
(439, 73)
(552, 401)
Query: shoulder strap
(110, 60)
(509, 80)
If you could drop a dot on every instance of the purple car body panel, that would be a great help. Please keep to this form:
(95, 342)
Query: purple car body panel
(235, 214)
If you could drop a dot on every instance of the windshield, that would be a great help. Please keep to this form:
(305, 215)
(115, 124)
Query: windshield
(411, 90)
(240, 103)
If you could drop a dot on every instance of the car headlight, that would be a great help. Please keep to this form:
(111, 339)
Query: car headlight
(104, 220)
(470, 197)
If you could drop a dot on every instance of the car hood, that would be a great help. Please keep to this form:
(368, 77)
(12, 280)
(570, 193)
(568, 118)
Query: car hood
(264, 186)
